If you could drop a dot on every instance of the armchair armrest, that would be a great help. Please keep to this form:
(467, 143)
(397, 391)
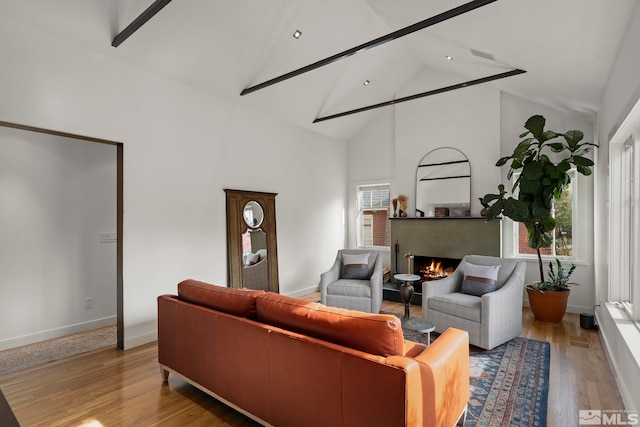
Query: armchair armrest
(375, 282)
(328, 277)
(447, 285)
(506, 299)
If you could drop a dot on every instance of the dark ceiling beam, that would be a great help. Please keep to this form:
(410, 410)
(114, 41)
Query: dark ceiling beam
(139, 21)
(423, 94)
(452, 13)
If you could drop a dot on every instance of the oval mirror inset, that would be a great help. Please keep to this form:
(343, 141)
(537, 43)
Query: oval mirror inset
(253, 214)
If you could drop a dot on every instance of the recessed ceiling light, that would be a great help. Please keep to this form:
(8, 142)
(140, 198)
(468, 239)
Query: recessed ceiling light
(297, 34)
(366, 82)
(449, 57)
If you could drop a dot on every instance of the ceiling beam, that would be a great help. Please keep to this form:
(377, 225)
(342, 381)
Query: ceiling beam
(423, 94)
(139, 21)
(452, 13)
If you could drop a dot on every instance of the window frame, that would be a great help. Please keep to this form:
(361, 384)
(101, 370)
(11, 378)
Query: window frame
(624, 217)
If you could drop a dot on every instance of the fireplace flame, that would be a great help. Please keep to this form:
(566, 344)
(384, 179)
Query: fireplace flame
(434, 271)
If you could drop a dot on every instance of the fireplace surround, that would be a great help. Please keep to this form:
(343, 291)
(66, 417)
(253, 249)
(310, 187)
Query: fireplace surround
(446, 239)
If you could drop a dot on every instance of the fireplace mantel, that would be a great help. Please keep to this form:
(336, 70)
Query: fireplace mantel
(446, 237)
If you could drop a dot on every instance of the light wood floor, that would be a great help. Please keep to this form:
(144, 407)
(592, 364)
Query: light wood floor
(110, 387)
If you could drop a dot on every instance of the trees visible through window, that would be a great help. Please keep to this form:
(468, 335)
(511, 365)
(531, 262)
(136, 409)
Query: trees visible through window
(374, 227)
(563, 212)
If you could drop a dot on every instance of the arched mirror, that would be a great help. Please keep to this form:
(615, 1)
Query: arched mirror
(252, 256)
(443, 184)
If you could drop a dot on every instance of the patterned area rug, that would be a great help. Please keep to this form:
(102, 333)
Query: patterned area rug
(509, 384)
(47, 351)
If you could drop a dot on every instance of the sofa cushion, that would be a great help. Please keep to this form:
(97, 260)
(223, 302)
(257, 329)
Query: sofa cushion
(378, 334)
(355, 266)
(480, 279)
(239, 302)
(459, 305)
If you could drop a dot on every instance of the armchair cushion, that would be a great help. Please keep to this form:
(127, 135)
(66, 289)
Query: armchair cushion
(480, 279)
(351, 288)
(356, 266)
(459, 305)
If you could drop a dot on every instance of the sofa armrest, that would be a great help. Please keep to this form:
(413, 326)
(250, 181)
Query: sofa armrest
(444, 373)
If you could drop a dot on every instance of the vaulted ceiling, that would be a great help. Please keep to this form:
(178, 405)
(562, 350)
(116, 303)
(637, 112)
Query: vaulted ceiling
(566, 47)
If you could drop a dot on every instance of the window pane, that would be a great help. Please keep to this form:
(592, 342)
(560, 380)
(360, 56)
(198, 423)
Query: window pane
(564, 222)
(562, 234)
(375, 227)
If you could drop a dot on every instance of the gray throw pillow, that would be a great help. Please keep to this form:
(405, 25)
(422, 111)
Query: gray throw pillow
(480, 279)
(355, 266)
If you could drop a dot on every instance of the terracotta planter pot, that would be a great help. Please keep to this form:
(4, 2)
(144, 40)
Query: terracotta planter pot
(549, 306)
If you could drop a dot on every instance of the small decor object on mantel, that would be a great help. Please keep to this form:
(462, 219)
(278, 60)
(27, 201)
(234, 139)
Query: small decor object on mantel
(441, 212)
(394, 203)
(540, 182)
(402, 200)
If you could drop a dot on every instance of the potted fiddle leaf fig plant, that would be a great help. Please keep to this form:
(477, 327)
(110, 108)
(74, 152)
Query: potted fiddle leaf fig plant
(542, 178)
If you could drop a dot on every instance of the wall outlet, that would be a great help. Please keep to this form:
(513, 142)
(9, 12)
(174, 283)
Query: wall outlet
(108, 237)
(88, 302)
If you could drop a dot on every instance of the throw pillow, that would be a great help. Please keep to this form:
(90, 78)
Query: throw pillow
(480, 279)
(355, 266)
(253, 258)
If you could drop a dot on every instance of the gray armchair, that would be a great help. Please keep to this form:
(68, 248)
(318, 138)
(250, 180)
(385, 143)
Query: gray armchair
(353, 286)
(491, 319)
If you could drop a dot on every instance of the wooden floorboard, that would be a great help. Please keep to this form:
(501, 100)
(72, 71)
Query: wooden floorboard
(111, 387)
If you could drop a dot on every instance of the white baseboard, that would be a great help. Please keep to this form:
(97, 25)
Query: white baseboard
(303, 292)
(56, 333)
(130, 342)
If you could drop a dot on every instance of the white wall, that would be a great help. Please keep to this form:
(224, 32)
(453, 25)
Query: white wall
(182, 147)
(57, 196)
(467, 119)
(514, 113)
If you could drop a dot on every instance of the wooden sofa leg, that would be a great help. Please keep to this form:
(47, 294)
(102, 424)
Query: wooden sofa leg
(165, 374)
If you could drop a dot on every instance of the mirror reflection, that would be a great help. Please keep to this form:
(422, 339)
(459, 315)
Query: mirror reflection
(255, 271)
(253, 214)
(443, 184)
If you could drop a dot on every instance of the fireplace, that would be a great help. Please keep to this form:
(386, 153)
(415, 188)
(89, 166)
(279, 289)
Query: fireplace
(445, 240)
(434, 268)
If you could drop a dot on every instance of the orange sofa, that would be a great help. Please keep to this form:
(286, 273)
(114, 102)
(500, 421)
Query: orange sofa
(288, 362)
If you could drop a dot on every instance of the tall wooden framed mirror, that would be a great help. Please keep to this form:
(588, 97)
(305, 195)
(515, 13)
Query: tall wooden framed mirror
(252, 249)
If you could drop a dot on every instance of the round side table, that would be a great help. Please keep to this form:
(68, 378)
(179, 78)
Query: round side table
(406, 290)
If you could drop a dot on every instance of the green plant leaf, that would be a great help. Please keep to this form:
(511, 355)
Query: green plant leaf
(532, 170)
(583, 170)
(535, 124)
(502, 161)
(573, 137)
(557, 147)
(582, 161)
(515, 209)
(547, 135)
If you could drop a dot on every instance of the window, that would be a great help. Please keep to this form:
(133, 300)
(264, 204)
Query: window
(624, 218)
(374, 227)
(563, 211)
